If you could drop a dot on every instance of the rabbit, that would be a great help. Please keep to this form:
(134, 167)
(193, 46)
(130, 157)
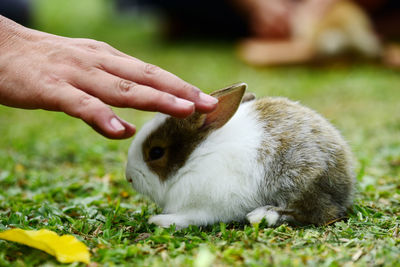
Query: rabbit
(253, 159)
(326, 30)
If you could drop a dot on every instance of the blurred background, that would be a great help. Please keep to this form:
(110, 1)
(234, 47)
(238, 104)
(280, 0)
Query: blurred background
(340, 58)
(266, 32)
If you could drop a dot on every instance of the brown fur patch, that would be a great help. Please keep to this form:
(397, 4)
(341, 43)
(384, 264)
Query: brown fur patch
(179, 137)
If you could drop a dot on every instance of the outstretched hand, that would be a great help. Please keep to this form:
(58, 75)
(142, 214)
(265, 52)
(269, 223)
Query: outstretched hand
(81, 77)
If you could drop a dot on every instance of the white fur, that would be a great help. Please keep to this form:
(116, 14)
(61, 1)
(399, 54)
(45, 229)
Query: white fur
(220, 180)
(143, 180)
(258, 214)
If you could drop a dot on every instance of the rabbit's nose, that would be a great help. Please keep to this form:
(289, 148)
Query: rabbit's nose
(129, 179)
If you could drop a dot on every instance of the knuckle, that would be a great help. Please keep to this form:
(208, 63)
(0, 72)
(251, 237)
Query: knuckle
(96, 46)
(85, 101)
(103, 44)
(92, 71)
(93, 47)
(151, 70)
(125, 86)
(88, 108)
(190, 90)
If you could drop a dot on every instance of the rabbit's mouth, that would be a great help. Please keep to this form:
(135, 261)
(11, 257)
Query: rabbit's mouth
(146, 184)
(133, 175)
(140, 182)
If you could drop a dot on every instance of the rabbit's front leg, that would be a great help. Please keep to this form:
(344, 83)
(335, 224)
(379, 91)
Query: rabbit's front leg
(274, 216)
(166, 220)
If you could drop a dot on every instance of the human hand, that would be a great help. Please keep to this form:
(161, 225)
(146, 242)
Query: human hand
(81, 77)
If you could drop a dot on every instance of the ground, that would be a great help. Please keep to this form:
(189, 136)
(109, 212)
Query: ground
(56, 173)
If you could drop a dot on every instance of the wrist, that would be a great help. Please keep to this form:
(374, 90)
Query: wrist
(11, 31)
(8, 29)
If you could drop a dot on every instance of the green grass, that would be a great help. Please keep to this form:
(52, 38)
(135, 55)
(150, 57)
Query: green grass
(56, 173)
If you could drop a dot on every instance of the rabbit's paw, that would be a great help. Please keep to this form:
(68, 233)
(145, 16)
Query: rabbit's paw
(166, 220)
(271, 216)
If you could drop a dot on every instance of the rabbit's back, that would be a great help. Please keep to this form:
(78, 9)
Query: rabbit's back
(308, 165)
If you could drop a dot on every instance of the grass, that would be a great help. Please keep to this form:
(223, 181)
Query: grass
(56, 173)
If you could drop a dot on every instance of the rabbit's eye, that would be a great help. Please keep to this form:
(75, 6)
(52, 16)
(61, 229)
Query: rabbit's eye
(156, 153)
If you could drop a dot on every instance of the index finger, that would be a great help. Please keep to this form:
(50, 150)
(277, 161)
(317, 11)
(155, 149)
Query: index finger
(153, 76)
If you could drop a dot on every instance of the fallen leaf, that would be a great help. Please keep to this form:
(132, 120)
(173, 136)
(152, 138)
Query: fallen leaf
(19, 167)
(124, 194)
(65, 248)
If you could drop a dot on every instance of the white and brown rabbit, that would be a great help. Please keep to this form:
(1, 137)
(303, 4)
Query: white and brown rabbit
(269, 158)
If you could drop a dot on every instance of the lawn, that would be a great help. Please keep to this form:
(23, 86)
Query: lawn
(57, 173)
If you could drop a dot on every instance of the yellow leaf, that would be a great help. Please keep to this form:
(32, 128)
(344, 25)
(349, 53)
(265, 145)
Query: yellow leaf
(19, 167)
(124, 194)
(65, 248)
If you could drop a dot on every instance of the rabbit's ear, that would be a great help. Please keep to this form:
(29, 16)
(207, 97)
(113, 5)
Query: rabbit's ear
(229, 100)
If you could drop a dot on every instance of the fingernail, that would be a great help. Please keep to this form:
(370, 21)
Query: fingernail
(207, 98)
(117, 125)
(184, 102)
